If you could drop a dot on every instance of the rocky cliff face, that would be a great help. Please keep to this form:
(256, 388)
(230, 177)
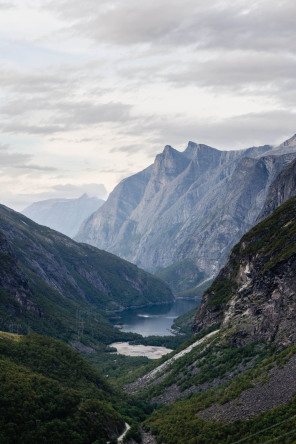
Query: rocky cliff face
(45, 274)
(282, 189)
(63, 215)
(254, 294)
(192, 205)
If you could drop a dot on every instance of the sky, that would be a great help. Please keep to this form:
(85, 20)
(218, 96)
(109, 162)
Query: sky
(92, 90)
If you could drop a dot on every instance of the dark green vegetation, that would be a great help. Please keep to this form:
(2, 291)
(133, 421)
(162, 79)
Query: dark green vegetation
(275, 237)
(53, 285)
(185, 279)
(50, 394)
(49, 391)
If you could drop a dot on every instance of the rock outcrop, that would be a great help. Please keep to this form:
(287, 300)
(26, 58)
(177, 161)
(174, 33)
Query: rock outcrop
(282, 189)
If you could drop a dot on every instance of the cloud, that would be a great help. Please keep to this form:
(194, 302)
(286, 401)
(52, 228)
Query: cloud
(12, 159)
(216, 24)
(6, 5)
(237, 132)
(128, 149)
(237, 70)
(60, 116)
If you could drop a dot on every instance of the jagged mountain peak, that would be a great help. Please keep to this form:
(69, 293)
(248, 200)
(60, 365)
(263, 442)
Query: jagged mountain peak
(170, 162)
(168, 149)
(169, 153)
(196, 149)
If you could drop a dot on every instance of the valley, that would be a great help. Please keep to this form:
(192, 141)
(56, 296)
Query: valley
(93, 349)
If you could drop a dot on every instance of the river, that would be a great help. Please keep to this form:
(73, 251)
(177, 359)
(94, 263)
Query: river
(154, 320)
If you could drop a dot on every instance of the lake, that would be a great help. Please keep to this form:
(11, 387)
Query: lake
(154, 320)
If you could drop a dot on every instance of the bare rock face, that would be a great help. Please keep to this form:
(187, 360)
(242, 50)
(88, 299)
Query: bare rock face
(255, 293)
(282, 189)
(191, 205)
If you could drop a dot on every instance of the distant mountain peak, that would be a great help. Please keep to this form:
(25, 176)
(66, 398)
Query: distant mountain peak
(64, 215)
(84, 196)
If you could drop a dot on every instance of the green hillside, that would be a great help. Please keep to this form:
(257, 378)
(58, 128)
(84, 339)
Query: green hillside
(53, 285)
(50, 394)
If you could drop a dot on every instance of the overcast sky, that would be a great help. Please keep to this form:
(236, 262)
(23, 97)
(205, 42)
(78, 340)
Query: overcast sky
(92, 90)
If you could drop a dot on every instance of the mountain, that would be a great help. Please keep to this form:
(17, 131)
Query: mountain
(63, 215)
(55, 286)
(187, 210)
(234, 380)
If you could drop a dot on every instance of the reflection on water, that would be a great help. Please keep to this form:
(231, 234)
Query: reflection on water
(156, 319)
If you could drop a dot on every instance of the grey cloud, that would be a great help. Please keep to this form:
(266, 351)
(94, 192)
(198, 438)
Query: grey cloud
(65, 116)
(33, 167)
(88, 113)
(128, 149)
(6, 5)
(17, 127)
(37, 82)
(216, 24)
(12, 159)
(237, 70)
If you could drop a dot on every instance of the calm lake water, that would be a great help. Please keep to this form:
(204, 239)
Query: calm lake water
(154, 320)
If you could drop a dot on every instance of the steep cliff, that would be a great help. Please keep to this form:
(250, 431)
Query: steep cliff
(254, 294)
(283, 187)
(188, 206)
